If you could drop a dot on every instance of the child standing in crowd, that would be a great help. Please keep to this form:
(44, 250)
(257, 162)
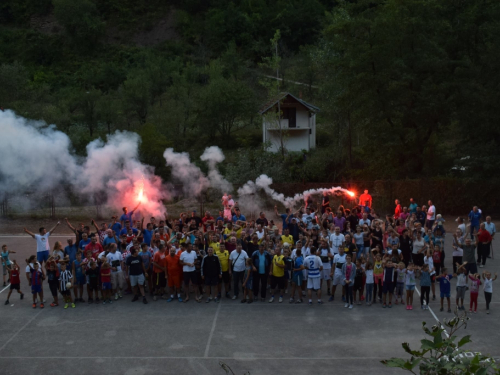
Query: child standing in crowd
(36, 283)
(93, 282)
(80, 278)
(6, 263)
(15, 281)
(358, 282)
(444, 287)
(474, 291)
(349, 274)
(53, 277)
(410, 285)
(369, 283)
(488, 288)
(461, 285)
(248, 282)
(65, 285)
(106, 283)
(400, 282)
(378, 274)
(425, 286)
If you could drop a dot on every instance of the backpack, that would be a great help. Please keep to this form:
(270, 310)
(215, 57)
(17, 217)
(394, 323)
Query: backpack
(436, 257)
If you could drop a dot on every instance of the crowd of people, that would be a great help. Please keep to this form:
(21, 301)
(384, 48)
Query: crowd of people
(352, 254)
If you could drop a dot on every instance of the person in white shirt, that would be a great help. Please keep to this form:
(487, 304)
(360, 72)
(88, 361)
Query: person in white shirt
(490, 227)
(431, 215)
(364, 221)
(114, 258)
(337, 240)
(308, 217)
(187, 260)
(336, 272)
(314, 266)
(42, 242)
(237, 265)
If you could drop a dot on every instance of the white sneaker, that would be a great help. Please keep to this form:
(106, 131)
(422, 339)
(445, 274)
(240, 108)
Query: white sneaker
(481, 266)
(350, 306)
(271, 300)
(280, 300)
(234, 297)
(116, 296)
(120, 294)
(346, 305)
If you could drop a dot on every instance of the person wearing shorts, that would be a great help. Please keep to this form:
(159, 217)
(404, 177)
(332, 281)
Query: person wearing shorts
(114, 259)
(42, 243)
(338, 278)
(136, 273)
(159, 275)
(314, 266)
(326, 255)
(174, 272)
(211, 273)
(187, 260)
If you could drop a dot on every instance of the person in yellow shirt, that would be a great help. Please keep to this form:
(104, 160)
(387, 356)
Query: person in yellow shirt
(214, 244)
(277, 273)
(287, 237)
(223, 256)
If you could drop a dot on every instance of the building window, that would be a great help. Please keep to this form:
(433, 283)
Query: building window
(290, 114)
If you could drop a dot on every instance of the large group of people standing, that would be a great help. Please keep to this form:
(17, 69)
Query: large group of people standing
(352, 254)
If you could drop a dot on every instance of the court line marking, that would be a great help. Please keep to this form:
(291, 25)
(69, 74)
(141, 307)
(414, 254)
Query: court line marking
(212, 331)
(20, 330)
(5, 288)
(435, 317)
(225, 358)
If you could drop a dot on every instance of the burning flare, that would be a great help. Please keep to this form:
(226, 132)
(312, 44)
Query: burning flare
(141, 189)
(351, 193)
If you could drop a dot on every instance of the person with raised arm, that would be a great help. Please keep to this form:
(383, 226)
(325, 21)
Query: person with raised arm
(42, 242)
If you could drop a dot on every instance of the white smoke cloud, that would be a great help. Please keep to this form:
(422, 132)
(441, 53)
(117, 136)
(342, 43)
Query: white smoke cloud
(213, 155)
(33, 156)
(191, 177)
(263, 182)
(37, 157)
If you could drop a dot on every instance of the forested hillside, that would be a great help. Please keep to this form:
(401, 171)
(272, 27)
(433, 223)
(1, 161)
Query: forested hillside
(407, 89)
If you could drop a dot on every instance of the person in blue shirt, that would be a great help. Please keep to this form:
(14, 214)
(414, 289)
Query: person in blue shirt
(71, 250)
(285, 218)
(115, 225)
(474, 219)
(84, 242)
(128, 215)
(147, 232)
(297, 275)
(238, 216)
(127, 227)
(412, 207)
(445, 287)
(110, 238)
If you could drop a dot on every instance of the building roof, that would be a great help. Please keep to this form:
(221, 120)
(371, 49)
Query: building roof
(265, 107)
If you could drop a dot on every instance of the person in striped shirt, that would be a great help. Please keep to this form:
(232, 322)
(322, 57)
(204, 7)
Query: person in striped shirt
(66, 277)
(314, 267)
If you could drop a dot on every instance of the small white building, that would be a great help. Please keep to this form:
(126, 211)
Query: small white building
(289, 121)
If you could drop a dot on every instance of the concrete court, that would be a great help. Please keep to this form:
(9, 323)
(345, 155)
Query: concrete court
(175, 338)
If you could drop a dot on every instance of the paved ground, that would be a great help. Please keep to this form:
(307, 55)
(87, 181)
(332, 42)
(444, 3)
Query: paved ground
(263, 338)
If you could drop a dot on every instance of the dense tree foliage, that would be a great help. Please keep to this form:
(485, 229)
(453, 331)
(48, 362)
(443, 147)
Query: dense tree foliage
(406, 89)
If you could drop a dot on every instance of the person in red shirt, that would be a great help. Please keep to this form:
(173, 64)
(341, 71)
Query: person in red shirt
(106, 282)
(95, 247)
(15, 280)
(365, 199)
(159, 272)
(208, 221)
(483, 245)
(398, 209)
(174, 273)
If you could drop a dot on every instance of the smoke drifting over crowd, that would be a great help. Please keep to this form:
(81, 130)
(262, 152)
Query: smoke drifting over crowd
(36, 157)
